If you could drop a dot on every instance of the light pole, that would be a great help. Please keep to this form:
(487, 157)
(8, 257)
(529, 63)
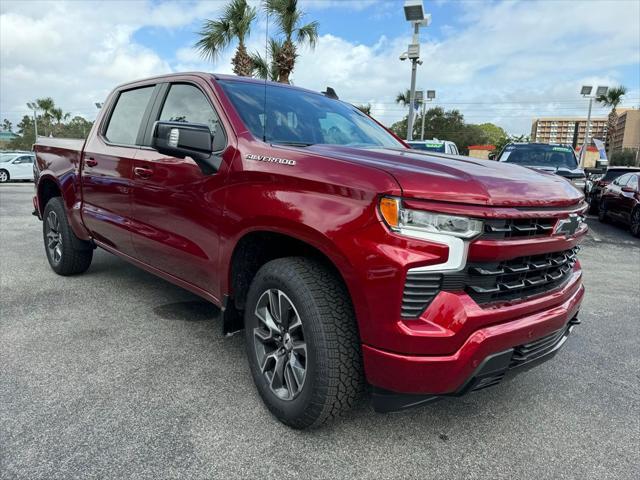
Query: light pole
(585, 91)
(431, 94)
(414, 13)
(34, 106)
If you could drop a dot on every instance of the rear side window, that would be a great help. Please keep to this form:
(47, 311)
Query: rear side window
(186, 103)
(127, 116)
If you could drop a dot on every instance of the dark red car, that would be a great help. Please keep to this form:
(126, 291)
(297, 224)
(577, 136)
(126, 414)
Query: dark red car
(594, 194)
(346, 257)
(621, 201)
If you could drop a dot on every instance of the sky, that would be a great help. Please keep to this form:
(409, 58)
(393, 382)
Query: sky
(505, 62)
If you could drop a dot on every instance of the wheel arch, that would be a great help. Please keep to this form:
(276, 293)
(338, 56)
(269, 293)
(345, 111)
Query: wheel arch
(257, 246)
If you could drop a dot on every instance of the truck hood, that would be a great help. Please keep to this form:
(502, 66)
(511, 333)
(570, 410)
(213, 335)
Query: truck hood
(448, 178)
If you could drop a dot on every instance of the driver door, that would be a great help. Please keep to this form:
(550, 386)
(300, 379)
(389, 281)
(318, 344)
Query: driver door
(176, 207)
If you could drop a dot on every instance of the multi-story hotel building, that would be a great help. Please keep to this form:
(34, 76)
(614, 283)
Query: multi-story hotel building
(563, 130)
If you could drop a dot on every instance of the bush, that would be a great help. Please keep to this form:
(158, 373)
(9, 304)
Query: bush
(624, 158)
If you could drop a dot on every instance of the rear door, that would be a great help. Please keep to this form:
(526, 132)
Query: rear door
(176, 206)
(614, 195)
(107, 168)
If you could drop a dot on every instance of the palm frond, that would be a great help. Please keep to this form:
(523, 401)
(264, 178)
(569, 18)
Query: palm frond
(214, 37)
(308, 34)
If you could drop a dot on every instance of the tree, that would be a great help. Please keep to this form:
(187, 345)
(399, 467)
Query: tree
(403, 98)
(494, 133)
(288, 17)
(6, 125)
(509, 139)
(264, 69)
(364, 108)
(626, 158)
(612, 99)
(235, 24)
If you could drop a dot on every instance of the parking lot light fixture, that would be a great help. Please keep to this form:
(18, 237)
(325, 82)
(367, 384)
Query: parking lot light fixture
(414, 13)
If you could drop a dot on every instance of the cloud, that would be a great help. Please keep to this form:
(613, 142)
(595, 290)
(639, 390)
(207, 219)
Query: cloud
(506, 62)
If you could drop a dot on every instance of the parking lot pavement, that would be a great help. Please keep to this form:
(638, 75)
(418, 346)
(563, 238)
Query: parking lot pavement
(118, 374)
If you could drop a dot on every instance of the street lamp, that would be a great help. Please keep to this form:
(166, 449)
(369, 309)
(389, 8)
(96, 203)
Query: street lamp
(585, 91)
(431, 95)
(414, 13)
(34, 106)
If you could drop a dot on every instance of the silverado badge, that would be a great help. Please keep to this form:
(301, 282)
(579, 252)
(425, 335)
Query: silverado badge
(568, 226)
(263, 158)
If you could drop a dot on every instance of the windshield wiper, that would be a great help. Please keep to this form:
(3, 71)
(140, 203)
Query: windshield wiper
(292, 144)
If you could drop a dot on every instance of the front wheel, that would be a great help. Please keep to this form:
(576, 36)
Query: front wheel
(635, 222)
(302, 342)
(67, 254)
(4, 176)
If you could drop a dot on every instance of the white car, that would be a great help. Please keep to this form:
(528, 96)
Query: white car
(435, 145)
(16, 167)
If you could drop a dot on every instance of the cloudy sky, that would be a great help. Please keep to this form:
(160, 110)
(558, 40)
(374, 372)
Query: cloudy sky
(503, 62)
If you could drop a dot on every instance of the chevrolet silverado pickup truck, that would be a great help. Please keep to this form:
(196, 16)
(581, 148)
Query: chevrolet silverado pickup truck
(352, 263)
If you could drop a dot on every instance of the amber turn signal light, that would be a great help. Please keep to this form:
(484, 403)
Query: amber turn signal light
(390, 211)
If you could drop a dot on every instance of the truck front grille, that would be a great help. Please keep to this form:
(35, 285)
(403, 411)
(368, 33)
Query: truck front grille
(488, 282)
(514, 279)
(506, 228)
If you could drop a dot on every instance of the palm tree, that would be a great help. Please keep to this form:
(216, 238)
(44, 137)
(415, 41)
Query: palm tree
(288, 18)
(262, 68)
(403, 98)
(612, 99)
(46, 106)
(235, 24)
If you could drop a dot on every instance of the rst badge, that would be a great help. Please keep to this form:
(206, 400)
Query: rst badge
(263, 158)
(568, 226)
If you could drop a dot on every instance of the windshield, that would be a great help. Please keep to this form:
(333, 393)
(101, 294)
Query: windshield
(545, 156)
(302, 118)
(428, 146)
(6, 158)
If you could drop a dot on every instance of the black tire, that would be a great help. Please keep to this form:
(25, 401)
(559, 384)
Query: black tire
(593, 205)
(67, 254)
(602, 212)
(634, 222)
(4, 176)
(333, 379)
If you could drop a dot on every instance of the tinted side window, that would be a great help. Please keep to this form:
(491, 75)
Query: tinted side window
(622, 180)
(186, 103)
(127, 116)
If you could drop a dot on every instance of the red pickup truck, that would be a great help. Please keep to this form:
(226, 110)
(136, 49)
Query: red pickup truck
(351, 262)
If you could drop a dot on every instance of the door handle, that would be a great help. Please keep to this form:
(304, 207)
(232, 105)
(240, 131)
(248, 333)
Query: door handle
(143, 172)
(91, 162)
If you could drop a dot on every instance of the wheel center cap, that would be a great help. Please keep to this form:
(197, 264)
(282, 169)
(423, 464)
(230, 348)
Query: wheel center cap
(288, 343)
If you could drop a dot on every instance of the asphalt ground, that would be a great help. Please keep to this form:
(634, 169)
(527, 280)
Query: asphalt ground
(118, 374)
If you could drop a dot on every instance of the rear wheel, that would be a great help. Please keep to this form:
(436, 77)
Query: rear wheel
(302, 342)
(635, 222)
(4, 176)
(67, 254)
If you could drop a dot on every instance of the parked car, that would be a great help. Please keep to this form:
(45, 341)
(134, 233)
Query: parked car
(600, 184)
(16, 167)
(344, 256)
(554, 158)
(435, 145)
(621, 201)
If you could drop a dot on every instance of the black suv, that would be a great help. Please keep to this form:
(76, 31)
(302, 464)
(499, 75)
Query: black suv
(555, 158)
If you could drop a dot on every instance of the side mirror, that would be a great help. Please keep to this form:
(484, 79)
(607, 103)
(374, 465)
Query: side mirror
(182, 139)
(491, 156)
(628, 189)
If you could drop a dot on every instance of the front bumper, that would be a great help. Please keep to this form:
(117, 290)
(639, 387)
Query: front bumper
(493, 370)
(436, 375)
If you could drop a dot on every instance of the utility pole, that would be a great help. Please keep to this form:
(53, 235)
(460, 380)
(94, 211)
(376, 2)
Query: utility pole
(583, 152)
(431, 94)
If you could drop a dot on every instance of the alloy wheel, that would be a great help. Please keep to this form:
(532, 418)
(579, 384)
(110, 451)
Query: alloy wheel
(3, 177)
(279, 344)
(54, 237)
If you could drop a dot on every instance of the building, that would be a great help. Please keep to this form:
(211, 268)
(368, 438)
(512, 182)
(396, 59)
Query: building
(563, 130)
(481, 151)
(627, 131)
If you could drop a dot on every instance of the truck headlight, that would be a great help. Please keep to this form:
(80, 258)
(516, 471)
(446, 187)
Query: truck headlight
(405, 220)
